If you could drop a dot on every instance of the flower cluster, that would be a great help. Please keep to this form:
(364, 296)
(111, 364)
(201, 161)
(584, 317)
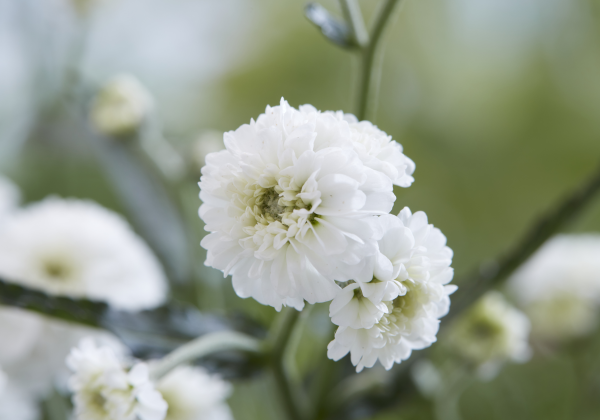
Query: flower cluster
(491, 333)
(297, 207)
(559, 287)
(108, 386)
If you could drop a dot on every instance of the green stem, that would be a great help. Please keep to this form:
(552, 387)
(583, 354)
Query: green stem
(356, 22)
(204, 346)
(370, 65)
(280, 336)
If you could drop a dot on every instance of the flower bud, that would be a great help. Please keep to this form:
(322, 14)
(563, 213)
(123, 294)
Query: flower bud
(121, 106)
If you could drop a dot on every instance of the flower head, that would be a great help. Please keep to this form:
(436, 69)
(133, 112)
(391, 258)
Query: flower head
(559, 287)
(104, 388)
(121, 106)
(193, 394)
(78, 248)
(490, 333)
(395, 309)
(287, 203)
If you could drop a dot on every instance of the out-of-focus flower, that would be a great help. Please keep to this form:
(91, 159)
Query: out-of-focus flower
(74, 248)
(193, 394)
(491, 333)
(397, 309)
(9, 197)
(208, 142)
(378, 150)
(104, 388)
(121, 106)
(78, 248)
(559, 287)
(287, 202)
(14, 403)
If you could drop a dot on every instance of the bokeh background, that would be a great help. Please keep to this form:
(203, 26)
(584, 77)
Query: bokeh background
(497, 102)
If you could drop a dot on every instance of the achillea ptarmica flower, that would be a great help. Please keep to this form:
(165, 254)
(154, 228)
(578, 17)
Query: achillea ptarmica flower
(9, 197)
(397, 308)
(491, 333)
(78, 248)
(559, 287)
(15, 404)
(192, 394)
(121, 106)
(288, 203)
(105, 388)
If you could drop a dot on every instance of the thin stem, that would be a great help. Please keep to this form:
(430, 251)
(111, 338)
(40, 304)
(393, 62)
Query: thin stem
(355, 21)
(204, 346)
(280, 337)
(370, 66)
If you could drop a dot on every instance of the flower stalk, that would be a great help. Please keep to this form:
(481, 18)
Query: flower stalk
(204, 346)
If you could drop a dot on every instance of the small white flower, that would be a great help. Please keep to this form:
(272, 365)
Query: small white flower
(105, 389)
(287, 203)
(378, 151)
(15, 404)
(395, 309)
(78, 248)
(559, 287)
(193, 394)
(9, 197)
(491, 333)
(121, 106)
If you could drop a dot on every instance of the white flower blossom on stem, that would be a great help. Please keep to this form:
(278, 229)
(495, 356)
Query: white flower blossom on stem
(559, 287)
(396, 308)
(15, 404)
(287, 203)
(491, 333)
(378, 151)
(193, 394)
(74, 248)
(121, 106)
(104, 388)
(9, 197)
(80, 249)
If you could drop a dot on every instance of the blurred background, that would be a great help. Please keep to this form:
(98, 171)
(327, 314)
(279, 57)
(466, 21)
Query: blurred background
(496, 101)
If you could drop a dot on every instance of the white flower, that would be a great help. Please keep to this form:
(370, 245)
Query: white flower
(121, 106)
(490, 333)
(559, 287)
(287, 203)
(378, 151)
(193, 394)
(104, 389)
(396, 309)
(77, 248)
(9, 197)
(14, 403)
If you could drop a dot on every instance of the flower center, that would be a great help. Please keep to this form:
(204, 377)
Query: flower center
(57, 269)
(270, 205)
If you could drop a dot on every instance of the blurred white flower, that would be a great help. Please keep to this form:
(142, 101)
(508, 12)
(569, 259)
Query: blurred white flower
(104, 388)
(287, 203)
(491, 333)
(398, 308)
(208, 142)
(559, 287)
(193, 394)
(121, 106)
(78, 248)
(9, 197)
(379, 151)
(14, 403)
